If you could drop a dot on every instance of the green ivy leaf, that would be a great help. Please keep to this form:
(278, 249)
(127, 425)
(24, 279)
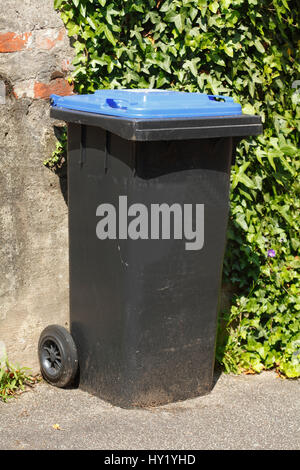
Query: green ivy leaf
(109, 35)
(213, 6)
(58, 3)
(259, 46)
(228, 50)
(179, 22)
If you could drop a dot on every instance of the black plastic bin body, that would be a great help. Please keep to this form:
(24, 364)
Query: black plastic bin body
(143, 312)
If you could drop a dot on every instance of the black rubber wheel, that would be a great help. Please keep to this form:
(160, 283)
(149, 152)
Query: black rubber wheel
(58, 356)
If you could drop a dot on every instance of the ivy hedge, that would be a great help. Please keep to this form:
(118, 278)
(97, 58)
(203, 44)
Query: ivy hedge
(248, 49)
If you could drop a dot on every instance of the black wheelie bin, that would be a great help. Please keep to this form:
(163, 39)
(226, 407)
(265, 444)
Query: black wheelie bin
(148, 199)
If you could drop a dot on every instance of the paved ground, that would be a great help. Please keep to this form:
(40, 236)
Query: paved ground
(244, 412)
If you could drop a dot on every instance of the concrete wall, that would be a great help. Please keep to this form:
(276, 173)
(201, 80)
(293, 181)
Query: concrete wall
(35, 56)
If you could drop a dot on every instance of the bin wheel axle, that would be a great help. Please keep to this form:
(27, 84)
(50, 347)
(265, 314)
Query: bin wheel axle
(51, 356)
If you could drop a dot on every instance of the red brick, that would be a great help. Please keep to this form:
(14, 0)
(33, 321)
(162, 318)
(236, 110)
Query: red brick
(59, 86)
(45, 43)
(49, 38)
(61, 34)
(13, 42)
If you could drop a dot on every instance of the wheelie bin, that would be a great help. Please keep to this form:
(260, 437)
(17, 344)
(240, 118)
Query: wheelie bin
(148, 199)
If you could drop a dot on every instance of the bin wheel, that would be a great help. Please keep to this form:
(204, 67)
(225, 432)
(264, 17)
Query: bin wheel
(58, 356)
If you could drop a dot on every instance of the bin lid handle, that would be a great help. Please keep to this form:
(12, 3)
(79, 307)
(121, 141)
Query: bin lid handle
(227, 99)
(116, 104)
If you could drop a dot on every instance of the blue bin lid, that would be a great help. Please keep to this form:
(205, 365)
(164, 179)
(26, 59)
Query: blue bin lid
(149, 103)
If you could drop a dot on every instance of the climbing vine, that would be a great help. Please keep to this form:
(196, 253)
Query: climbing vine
(248, 49)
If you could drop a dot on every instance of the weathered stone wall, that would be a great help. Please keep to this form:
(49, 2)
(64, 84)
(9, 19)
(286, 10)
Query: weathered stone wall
(35, 57)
